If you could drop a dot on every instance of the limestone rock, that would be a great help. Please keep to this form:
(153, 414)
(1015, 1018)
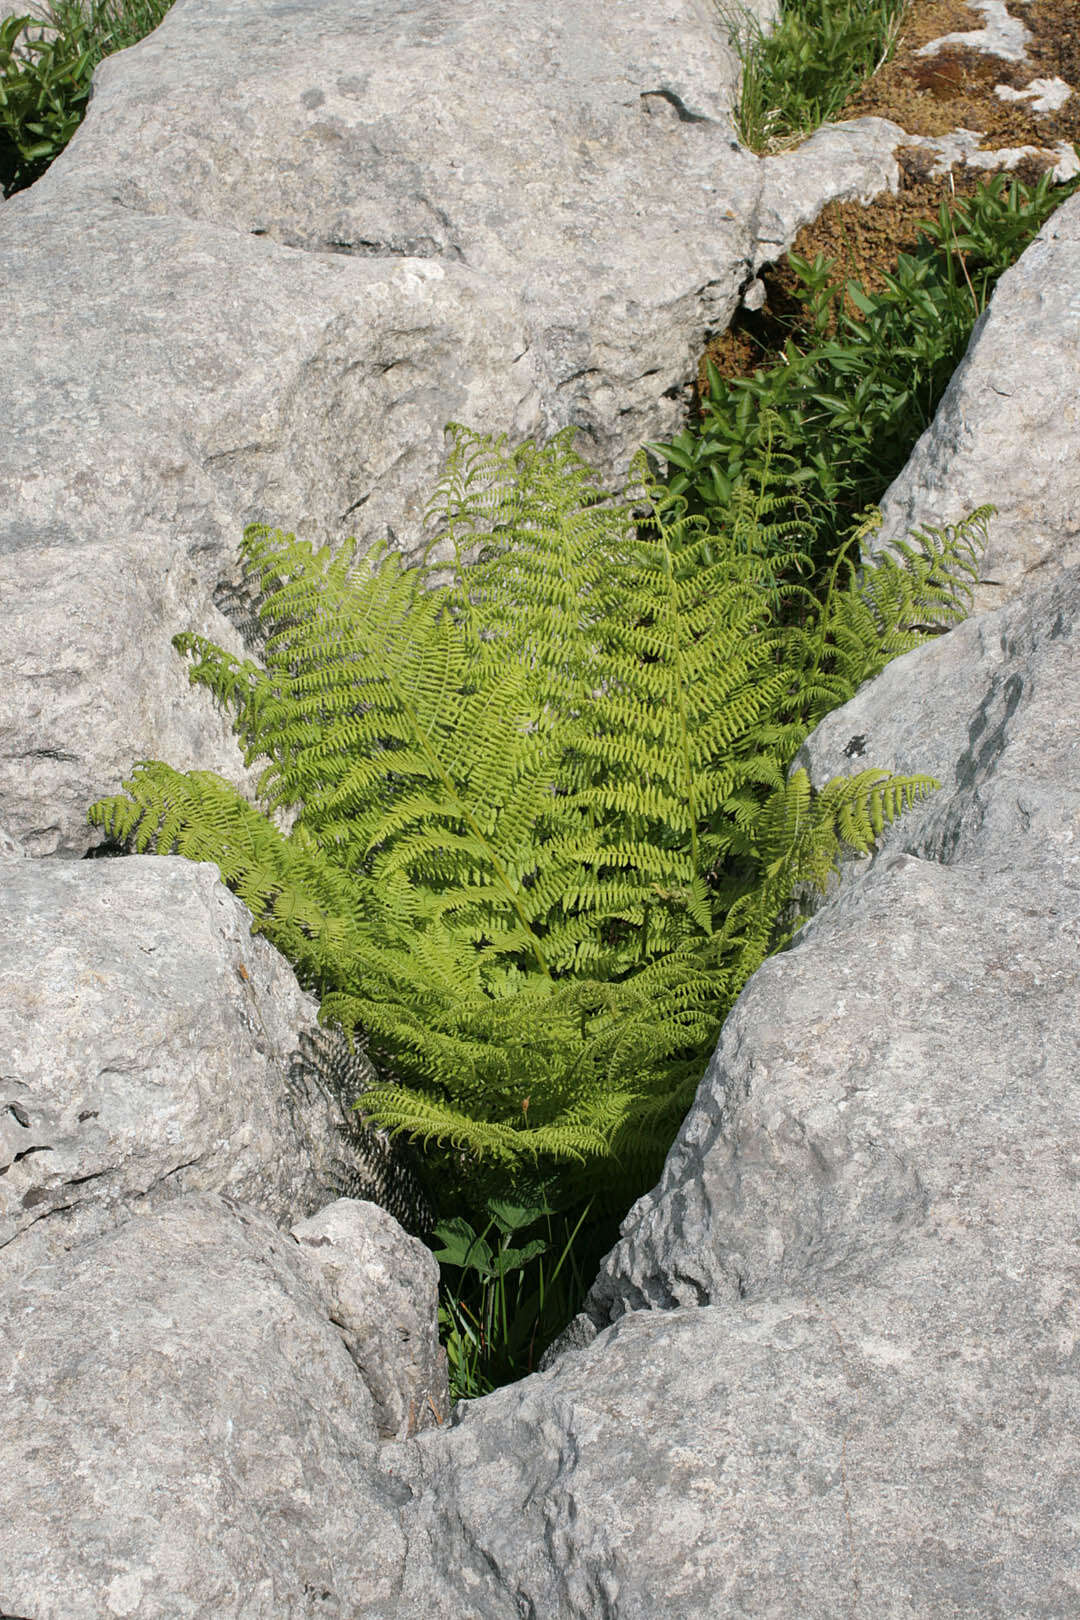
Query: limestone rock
(896, 1439)
(1007, 426)
(9, 849)
(145, 1037)
(992, 710)
(833, 1358)
(136, 446)
(383, 1288)
(584, 159)
(846, 162)
(987, 871)
(282, 251)
(184, 1432)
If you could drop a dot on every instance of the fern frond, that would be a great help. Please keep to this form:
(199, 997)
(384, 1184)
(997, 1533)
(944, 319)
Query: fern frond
(907, 593)
(544, 831)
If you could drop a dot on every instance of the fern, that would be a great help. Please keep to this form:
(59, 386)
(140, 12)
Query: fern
(543, 828)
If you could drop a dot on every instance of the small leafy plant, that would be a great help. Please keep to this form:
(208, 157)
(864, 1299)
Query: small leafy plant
(860, 375)
(544, 830)
(45, 82)
(506, 1293)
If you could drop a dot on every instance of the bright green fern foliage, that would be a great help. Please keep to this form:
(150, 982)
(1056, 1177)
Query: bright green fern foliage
(544, 831)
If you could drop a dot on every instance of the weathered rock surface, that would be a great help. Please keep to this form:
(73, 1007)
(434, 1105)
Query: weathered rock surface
(1007, 428)
(144, 1045)
(184, 1432)
(836, 1368)
(281, 252)
(383, 1290)
(992, 710)
(220, 380)
(824, 1452)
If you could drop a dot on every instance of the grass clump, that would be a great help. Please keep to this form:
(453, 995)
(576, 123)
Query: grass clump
(510, 1287)
(798, 76)
(45, 89)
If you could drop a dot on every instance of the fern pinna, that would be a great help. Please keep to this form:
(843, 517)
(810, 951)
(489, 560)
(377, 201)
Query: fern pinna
(543, 830)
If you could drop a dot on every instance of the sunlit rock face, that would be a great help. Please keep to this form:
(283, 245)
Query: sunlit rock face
(283, 250)
(830, 1367)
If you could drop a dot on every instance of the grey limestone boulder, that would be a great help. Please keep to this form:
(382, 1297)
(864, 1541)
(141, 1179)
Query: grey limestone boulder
(383, 1289)
(283, 250)
(221, 380)
(184, 1432)
(37, 29)
(896, 1443)
(992, 711)
(145, 1038)
(1006, 429)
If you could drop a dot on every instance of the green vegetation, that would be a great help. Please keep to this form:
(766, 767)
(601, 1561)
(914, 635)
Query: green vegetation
(513, 1294)
(544, 825)
(799, 75)
(44, 90)
(860, 374)
(544, 828)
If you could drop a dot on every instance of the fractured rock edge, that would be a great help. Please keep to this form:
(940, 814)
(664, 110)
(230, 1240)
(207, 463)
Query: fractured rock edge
(859, 1255)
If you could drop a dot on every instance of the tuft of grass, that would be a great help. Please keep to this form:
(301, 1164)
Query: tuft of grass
(800, 75)
(45, 87)
(508, 1289)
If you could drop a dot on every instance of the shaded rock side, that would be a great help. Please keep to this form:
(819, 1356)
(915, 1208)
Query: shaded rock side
(185, 1433)
(383, 1289)
(144, 1044)
(1007, 427)
(903, 1448)
(993, 709)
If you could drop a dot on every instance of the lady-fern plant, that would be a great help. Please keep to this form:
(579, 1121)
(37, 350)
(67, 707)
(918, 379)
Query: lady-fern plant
(543, 828)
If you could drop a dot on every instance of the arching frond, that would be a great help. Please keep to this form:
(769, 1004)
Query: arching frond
(543, 825)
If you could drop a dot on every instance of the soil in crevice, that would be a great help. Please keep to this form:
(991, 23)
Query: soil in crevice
(928, 96)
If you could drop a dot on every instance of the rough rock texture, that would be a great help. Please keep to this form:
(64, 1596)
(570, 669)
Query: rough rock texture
(383, 1290)
(283, 250)
(1007, 427)
(992, 710)
(9, 849)
(836, 1371)
(144, 1045)
(536, 144)
(843, 1375)
(184, 1432)
(823, 1453)
(191, 380)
